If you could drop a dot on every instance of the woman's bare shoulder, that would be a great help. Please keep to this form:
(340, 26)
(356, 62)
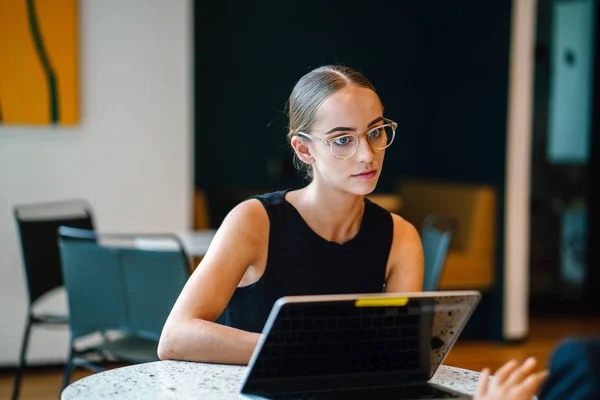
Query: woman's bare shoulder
(246, 221)
(403, 229)
(405, 264)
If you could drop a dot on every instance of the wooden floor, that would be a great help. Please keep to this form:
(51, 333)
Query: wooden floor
(544, 334)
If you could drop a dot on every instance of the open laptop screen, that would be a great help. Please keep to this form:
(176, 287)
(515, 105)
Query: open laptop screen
(328, 341)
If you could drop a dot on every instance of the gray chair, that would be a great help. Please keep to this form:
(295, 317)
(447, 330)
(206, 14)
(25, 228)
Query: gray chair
(37, 226)
(436, 235)
(122, 286)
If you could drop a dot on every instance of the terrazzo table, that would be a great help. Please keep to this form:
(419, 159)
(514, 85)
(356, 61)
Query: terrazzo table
(186, 380)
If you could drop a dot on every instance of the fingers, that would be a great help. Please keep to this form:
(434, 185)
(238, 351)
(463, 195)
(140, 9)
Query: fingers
(533, 382)
(522, 372)
(512, 381)
(504, 372)
(482, 386)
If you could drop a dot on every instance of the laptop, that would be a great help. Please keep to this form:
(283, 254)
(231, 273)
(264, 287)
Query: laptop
(380, 345)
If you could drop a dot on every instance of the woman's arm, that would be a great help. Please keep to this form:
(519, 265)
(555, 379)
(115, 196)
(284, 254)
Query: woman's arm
(238, 247)
(406, 263)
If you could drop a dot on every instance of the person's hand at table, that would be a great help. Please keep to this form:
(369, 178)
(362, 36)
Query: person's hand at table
(511, 382)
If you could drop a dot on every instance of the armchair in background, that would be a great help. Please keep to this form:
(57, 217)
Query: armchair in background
(390, 201)
(470, 263)
(200, 211)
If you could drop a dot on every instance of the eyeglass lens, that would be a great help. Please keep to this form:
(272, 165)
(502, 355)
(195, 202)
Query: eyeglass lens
(346, 145)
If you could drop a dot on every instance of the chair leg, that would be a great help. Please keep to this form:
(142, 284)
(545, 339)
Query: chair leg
(22, 362)
(68, 368)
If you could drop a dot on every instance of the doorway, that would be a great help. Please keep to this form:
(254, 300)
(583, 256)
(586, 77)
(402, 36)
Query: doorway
(564, 119)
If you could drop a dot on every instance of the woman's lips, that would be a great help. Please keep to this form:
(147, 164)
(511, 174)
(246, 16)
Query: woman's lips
(366, 175)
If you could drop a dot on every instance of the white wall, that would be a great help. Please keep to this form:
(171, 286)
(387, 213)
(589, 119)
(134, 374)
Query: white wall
(130, 156)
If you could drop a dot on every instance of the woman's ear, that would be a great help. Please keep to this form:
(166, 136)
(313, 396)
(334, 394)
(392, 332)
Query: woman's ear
(302, 150)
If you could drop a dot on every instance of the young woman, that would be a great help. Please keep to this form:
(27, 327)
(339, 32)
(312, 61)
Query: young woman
(325, 238)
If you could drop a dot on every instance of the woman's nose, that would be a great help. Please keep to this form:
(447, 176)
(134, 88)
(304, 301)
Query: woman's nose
(364, 151)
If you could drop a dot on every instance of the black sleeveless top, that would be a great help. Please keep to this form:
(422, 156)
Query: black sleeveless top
(300, 262)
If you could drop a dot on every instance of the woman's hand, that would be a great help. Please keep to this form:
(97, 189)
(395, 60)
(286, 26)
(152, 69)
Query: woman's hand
(511, 382)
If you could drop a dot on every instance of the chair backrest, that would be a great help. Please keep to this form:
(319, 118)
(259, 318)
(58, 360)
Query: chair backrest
(37, 225)
(146, 273)
(95, 293)
(153, 280)
(436, 235)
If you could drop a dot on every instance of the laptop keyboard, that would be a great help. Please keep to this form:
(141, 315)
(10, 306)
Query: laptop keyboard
(341, 339)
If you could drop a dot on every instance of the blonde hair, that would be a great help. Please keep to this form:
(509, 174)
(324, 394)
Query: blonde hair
(310, 92)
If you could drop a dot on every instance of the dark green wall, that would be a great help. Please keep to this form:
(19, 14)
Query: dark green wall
(461, 135)
(249, 56)
(441, 70)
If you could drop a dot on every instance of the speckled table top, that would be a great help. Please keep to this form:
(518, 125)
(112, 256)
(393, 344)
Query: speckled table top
(187, 380)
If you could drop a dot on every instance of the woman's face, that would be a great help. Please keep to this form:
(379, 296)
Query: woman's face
(352, 110)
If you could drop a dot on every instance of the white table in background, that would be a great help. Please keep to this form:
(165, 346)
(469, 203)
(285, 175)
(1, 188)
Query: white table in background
(196, 243)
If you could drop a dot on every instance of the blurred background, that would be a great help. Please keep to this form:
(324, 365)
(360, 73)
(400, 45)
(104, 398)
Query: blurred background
(176, 113)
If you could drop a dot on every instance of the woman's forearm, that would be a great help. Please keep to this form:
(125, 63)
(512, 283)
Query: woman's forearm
(205, 341)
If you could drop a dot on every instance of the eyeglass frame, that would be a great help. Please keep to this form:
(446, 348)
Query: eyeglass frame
(388, 122)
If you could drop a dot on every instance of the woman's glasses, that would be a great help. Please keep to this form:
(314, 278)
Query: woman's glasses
(345, 146)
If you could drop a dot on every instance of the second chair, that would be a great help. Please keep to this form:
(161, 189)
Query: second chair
(436, 234)
(121, 286)
(37, 225)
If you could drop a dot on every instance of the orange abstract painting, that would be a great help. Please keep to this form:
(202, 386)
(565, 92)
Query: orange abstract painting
(39, 62)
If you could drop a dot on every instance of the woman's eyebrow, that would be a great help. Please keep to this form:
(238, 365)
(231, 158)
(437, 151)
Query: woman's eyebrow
(375, 121)
(346, 129)
(338, 129)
